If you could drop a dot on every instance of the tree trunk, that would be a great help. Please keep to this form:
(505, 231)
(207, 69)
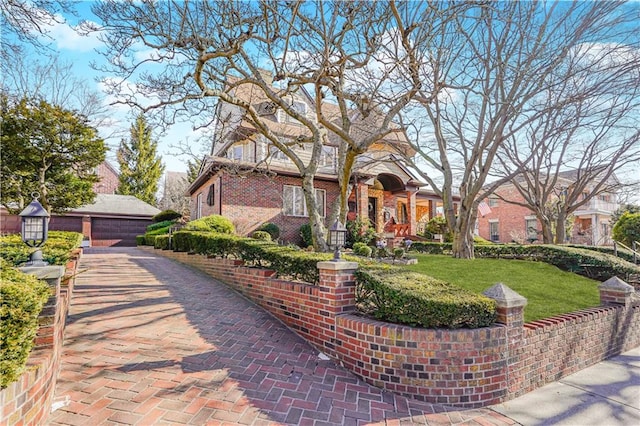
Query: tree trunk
(318, 229)
(463, 235)
(561, 228)
(547, 231)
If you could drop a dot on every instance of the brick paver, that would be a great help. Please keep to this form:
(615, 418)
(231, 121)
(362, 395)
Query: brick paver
(153, 342)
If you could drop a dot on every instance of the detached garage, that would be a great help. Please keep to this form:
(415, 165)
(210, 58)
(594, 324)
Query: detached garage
(112, 220)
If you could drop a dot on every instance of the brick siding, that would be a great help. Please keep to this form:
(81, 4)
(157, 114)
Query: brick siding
(249, 201)
(465, 368)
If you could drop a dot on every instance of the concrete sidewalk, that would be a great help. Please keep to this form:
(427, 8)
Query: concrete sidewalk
(606, 394)
(154, 342)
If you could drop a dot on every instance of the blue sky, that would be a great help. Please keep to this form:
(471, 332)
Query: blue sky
(81, 51)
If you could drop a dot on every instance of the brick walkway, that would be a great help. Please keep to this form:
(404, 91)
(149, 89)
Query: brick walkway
(152, 342)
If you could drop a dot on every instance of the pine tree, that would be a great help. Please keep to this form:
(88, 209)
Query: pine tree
(140, 167)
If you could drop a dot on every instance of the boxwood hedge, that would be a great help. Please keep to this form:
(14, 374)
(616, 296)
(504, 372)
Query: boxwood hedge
(23, 297)
(394, 295)
(56, 250)
(384, 292)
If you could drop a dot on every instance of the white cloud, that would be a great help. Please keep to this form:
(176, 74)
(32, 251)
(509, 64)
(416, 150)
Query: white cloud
(68, 37)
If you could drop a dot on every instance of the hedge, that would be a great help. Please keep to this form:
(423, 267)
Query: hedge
(588, 263)
(23, 297)
(56, 250)
(397, 296)
(622, 252)
(384, 292)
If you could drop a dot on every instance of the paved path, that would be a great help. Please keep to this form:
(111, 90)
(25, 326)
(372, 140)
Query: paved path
(152, 342)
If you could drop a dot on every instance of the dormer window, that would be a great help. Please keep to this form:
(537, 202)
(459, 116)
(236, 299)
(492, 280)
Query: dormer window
(299, 107)
(236, 152)
(328, 157)
(276, 154)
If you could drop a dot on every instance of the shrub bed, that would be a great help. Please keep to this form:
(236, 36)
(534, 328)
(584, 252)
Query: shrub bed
(393, 295)
(56, 250)
(23, 297)
(385, 292)
(588, 263)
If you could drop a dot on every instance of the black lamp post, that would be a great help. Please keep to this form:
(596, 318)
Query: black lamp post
(337, 238)
(35, 227)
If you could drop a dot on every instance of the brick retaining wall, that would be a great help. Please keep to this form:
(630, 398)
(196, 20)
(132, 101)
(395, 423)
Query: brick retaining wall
(27, 401)
(465, 368)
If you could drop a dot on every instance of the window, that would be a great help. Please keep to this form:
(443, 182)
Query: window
(198, 206)
(211, 195)
(276, 154)
(236, 152)
(328, 157)
(295, 205)
(494, 231)
(493, 201)
(299, 107)
(531, 228)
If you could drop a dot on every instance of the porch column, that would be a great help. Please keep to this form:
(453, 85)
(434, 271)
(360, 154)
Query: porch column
(362, 201)
(411, 212)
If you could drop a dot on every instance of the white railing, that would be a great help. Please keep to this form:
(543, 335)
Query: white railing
(599, 205)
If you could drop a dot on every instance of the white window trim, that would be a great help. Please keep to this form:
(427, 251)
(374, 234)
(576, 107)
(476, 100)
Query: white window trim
(298, 192)
(199, 206)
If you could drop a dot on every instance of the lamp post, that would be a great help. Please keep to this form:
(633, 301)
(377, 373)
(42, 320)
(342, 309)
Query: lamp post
(35, 227)
(337, 238)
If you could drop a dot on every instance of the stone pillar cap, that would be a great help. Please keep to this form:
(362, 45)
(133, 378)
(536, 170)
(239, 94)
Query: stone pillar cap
(616, 284)
(340, 265)
(505, 296)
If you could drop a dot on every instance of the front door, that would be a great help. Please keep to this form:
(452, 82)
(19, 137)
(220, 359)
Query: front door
(373, 211)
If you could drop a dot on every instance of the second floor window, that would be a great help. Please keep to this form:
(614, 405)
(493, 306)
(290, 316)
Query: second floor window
(328, 157)
(493, 201)
(294, 203)
(236, 152)
(276, 154)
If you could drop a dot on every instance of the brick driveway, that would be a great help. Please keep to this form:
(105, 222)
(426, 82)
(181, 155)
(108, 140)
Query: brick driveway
(150, 341)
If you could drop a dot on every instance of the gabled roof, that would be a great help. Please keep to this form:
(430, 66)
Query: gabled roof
(116, 205)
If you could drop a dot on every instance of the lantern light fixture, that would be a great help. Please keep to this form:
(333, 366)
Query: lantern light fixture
(35, 230)
(337, 238)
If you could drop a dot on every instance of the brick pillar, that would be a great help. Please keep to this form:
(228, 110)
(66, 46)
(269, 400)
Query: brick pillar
(337, 295)
(614, 291)
(510, 308)
(411, 212)
(362, 201)
(50, 315)
(86, 226)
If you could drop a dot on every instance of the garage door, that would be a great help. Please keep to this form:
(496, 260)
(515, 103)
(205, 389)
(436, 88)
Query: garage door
(107, 232)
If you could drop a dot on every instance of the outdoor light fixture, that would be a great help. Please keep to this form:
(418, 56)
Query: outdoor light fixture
(337, 238)
(35, 227)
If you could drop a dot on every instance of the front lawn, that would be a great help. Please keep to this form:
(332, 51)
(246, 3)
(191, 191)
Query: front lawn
(549, 290)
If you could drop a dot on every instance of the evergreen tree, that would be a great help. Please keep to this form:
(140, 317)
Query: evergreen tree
(193, 168)
(47, 150)
(140, 166)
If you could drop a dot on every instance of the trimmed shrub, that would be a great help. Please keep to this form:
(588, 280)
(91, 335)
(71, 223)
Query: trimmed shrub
(162, 241)
(305, 234)
(166, 215)
(159, 225)
(56, 251)
(261, 235)
(272, 229)
(398, 253)
(627, 228)
(359, 231)
(213, 223)
(23, 297)
(140, 240)
(361, 249)
(393, 295)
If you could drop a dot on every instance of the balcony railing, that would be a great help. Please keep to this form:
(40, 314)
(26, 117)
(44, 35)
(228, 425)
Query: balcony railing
(598, 205)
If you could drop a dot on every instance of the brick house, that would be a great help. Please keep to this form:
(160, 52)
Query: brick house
(249, 181)
(509, 222)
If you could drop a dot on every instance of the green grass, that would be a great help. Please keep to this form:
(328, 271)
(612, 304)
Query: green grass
(549, 291)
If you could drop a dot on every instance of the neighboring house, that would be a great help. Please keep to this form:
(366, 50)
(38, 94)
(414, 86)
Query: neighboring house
(111, 220)
(109, 180)
(506, 222)
(174, 193)
(251, 182)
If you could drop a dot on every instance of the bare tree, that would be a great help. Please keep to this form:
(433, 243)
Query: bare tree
(186, 56)
(485, 80)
